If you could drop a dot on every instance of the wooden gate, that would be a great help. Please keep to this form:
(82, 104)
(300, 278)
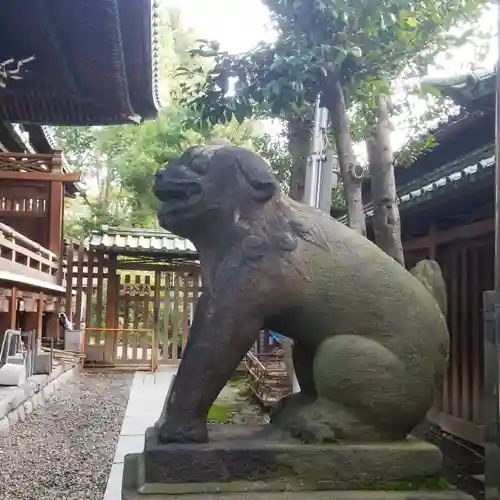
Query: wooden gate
(153, 317)
(135, 337)
(467, 269)
(178, 294)
(134, 318)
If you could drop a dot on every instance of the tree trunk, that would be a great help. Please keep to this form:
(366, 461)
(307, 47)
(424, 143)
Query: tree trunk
(299, 147)
(386, 222)
(350, 170)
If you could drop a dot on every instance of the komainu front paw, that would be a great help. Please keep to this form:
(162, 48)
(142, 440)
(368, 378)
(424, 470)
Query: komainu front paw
(191, 432)
(311, 431)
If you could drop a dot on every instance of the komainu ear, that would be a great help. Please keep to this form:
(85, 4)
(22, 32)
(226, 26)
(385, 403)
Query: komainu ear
(199, 157)
(256, 172)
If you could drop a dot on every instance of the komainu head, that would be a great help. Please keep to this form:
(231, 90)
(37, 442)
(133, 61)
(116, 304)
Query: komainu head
(210, 186)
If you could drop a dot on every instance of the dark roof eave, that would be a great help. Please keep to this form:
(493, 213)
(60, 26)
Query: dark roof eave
(76, 88)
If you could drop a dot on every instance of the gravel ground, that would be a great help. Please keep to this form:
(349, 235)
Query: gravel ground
(64, 450)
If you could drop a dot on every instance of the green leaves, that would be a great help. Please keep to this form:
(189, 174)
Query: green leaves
(411, 22)
(356, 51)
(353, 40)
(426, 88)
(241, 112)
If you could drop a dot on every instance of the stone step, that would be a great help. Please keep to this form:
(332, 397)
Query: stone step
(239, 463)
(242, 458)
(245, 463)
(317, 495)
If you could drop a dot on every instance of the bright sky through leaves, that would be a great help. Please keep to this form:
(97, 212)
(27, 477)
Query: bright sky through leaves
(240, 24)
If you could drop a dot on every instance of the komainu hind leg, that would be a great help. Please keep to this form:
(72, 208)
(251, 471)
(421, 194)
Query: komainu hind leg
(364, 393)
(301, 415)
(327, 422)
(289, 406)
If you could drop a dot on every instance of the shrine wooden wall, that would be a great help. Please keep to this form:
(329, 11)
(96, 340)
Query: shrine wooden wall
(466, 256)
(32, 196)
(24, 207)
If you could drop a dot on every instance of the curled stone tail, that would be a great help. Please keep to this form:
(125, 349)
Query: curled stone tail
(429, 274)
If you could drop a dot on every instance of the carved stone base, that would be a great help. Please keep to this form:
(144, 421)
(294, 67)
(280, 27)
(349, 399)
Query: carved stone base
(312, 495)
(238, 459)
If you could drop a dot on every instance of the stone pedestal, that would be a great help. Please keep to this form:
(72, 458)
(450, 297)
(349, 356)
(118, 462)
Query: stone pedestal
(238, 459)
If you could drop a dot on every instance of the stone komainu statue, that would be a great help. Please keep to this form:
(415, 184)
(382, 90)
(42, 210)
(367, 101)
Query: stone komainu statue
(371, 342)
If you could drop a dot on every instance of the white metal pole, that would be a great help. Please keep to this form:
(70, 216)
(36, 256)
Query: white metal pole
(319, 174)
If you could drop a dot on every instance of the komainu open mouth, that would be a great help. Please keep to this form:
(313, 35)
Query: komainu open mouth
(176, 195)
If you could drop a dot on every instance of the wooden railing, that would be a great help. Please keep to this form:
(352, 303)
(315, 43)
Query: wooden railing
(21, 256)
(30, 162)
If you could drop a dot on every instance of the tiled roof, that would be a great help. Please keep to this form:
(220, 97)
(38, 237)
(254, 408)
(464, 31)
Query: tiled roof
(465, 89)
(95, 62)
(475, 94)
(451, 176)
(141, 241)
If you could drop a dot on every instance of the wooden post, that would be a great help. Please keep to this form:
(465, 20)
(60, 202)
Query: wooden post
(185, 313)
(89, 289)
(156, 321)
(56, 207)
(39, 316)
(111, 310)
(13, 308)
(166, 315)
(70, 263)
(39, 319)
(175, 316)
(77, 320)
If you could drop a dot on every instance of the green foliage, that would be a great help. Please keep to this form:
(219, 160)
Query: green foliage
(266, 82)
(98, 215)
(212, 94)
(414, 148)
(118, 163)
(365, 45)
(275, 151)
(338, 200)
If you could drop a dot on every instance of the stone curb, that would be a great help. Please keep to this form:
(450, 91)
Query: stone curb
(33, 393)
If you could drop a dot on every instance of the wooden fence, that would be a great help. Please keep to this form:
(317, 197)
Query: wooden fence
(128, 313)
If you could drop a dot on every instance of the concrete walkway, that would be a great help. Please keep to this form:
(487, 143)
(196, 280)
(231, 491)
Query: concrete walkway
(145, 403)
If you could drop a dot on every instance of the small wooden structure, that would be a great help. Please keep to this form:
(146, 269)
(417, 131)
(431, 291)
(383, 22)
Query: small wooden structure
(66, 63)
(32, 191)
(134, 294)
(267, 372)
(446, 201)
